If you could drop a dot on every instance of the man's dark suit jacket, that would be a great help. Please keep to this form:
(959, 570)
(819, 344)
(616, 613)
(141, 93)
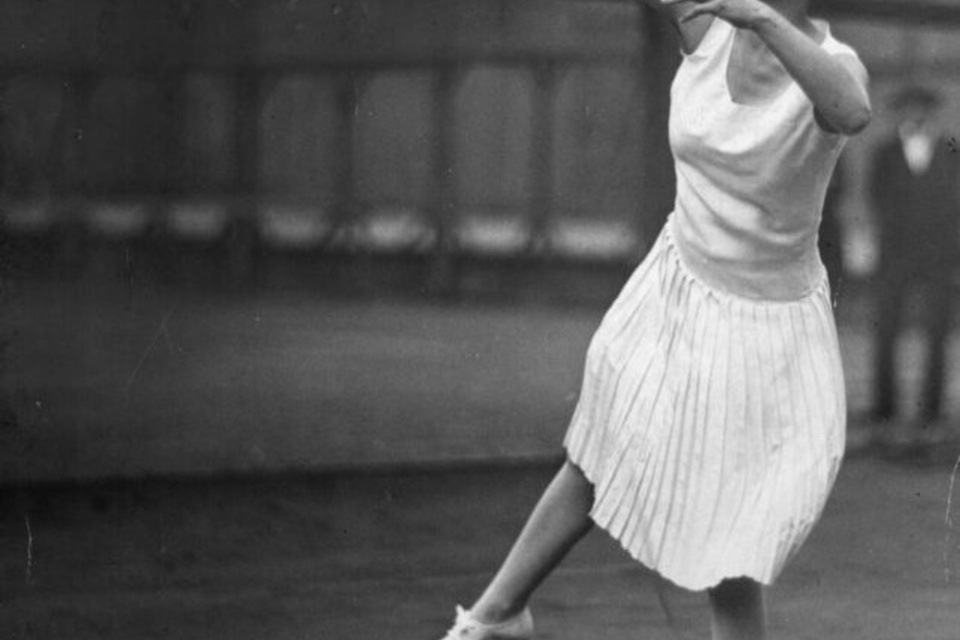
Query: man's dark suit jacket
(918, 215)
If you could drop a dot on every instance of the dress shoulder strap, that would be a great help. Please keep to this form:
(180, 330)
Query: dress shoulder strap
(833, 46)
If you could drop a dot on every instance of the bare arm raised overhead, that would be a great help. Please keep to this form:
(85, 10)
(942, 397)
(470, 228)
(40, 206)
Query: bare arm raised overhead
(836, 84)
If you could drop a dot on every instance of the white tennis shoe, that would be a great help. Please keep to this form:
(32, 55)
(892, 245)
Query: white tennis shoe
(519, 627)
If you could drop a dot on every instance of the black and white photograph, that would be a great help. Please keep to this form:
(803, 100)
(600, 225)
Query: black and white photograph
(479, 319)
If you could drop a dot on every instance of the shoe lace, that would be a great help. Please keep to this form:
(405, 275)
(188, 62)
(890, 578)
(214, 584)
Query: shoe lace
(463, 624)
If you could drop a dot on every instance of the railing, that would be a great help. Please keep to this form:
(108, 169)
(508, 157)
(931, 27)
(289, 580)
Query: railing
(239, 218)
(235, 215)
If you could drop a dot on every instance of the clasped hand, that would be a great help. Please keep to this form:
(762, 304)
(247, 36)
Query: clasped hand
(744, 14)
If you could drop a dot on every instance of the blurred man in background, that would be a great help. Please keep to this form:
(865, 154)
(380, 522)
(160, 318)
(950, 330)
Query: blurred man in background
(913, 186)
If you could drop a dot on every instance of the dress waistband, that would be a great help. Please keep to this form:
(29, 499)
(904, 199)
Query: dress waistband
(790, 279)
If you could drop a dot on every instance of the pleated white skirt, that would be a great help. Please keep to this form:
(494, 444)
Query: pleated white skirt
(712, 426)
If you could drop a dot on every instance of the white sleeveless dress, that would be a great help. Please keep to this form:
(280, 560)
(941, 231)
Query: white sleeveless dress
(712, 414)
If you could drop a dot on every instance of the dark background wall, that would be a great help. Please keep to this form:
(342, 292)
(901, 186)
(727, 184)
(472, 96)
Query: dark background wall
(506, 147)
(184, 98)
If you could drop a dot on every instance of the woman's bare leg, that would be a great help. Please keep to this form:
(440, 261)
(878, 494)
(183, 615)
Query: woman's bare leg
(560, 519)
(738, 612)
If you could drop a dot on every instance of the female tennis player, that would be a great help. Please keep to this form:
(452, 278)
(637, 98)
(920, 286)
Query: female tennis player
(711, 421)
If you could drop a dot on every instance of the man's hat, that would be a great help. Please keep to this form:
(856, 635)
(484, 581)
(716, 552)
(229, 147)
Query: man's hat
(916, 95)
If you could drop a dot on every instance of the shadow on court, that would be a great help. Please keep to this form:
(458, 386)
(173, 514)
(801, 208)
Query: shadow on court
(353, 556)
